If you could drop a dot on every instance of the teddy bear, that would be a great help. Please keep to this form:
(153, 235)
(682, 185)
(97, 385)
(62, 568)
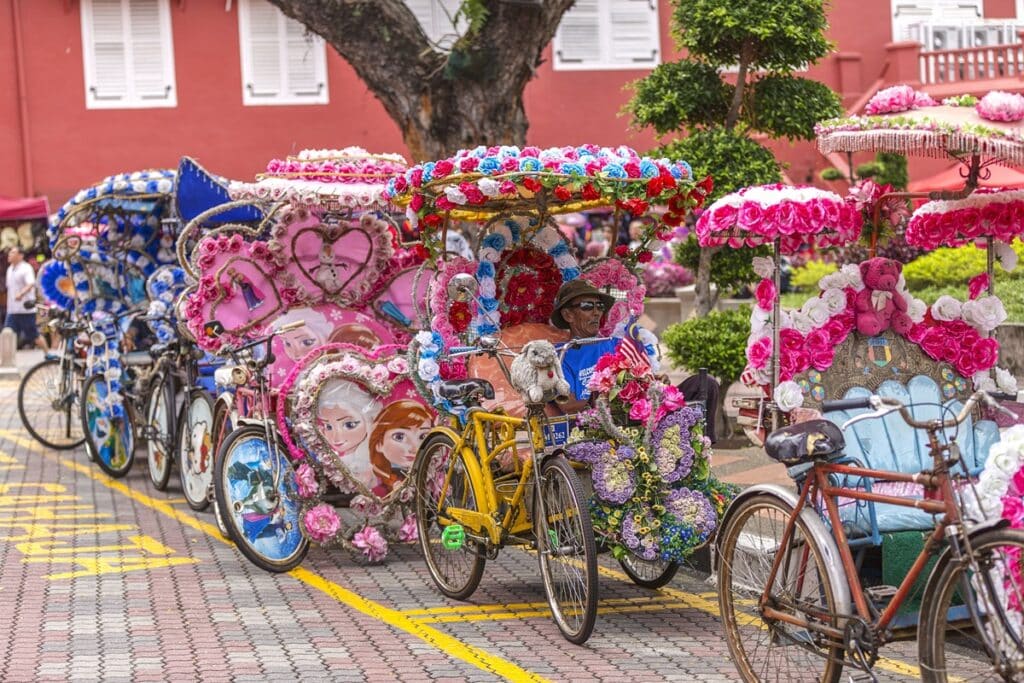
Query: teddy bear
(879, 305)
(537, 374)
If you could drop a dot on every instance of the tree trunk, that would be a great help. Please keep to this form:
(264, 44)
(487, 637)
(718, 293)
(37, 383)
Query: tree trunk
(702, 282)
(746, 54)
(442, 101)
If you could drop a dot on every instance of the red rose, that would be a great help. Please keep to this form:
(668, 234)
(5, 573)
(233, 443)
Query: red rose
(562, 193)
(469, 164)
(433, 220)
(672, 219)
(400, 184)
(459, 316)
(644, 256)
(632, 169)
(621, 250)
(473, 194)
(590, 192)
(667, 181)
(791, 340)
(678, 203)
(654, 187)
(416, 177)
(985, 353)
(707, 185)
(532, 184)
(443, 168)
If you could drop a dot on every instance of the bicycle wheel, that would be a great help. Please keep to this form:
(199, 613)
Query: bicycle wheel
(566, 548)
(160, 418)
(221, 430)
(949, 640)
(648, 573)
(442, 482)
(111, 439)
(196, 449)
(769, 650)
(261, 513)
(48, 405)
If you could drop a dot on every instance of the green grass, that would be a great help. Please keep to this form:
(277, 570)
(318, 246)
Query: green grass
(1011, 293)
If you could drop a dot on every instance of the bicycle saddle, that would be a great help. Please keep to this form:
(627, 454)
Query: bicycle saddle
(157, 350)
(136, 358)
(463, 390)
(804, 442)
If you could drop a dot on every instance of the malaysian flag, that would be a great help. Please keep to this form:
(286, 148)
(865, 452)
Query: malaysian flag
(632, 348)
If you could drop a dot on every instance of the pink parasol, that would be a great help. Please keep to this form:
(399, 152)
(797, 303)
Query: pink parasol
(992, 214)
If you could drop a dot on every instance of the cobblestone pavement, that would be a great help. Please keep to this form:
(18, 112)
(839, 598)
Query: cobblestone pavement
(104, 579)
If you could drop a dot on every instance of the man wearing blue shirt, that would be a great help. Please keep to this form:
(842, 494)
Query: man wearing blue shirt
(580, 307)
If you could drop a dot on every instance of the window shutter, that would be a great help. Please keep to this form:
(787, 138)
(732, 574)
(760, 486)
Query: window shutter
(578, 39)
(147, 51)
(435, 18)
(265, 77)
(632, 26)
(302, 60)
(109, 78)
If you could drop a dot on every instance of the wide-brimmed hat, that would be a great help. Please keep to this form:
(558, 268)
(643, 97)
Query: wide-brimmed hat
(572, 290)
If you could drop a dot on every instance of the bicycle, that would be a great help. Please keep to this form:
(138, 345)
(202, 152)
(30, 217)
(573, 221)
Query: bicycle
(797, 596)
(253, 479)
(48, 394)
(468, 509)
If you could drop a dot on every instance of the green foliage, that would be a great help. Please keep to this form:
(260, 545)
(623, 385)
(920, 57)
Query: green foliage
(718, 342)
(730, 268)
(806, 277)
(832, 173)
(894, 170)
(953, 267)
(731, 158)
(788, 107)
(678, 92)
(777, 36)
(868, 170)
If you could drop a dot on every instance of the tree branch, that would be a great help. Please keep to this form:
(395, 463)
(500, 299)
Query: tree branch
(746, 55)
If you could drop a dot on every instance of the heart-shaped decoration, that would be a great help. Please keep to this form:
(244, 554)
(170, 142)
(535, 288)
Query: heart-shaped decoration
(403, 301)
(358, 416)
(239, 293)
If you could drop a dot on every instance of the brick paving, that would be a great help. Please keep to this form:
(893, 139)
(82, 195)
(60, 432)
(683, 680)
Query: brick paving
(112, 580)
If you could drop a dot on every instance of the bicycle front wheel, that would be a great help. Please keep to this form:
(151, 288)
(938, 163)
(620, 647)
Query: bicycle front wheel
(456, 563)
(989, 647)
(112, 439)
(767, 649)
(48, 405)
(566, 548)
(196, 449)
(160, 418)
(256, 492)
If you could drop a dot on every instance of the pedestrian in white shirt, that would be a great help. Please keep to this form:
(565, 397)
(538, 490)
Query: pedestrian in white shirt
(21, 286)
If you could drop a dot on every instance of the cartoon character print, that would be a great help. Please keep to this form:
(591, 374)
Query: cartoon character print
(345, 413)
(396, 436)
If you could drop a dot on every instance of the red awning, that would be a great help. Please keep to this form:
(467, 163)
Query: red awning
(23, 208)
(950, 179)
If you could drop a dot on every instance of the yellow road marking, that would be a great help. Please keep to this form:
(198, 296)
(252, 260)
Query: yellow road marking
(514, 606)
(444, 642)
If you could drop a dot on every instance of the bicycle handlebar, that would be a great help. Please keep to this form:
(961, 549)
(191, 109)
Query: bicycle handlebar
(884, 405)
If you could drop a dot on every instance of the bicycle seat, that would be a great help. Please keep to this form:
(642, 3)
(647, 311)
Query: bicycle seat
(136, 358)
(157, 350)
(465, 390)
(805, 442)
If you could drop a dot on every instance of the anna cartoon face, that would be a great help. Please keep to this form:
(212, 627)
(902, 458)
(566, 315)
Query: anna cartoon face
(399, 444)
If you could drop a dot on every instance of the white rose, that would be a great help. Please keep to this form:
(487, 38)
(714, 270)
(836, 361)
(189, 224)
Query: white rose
(488, 186)
(817, 311)
(992, 484)
(852, 272)
(916, 308)
(946, 308)
(489, 254)
(837, 280)
(1012, 439)
(1006, 381)
(1005, 461)
(488, 288)
(113, 374)
(802, 322)
(1006, 256)
(455, 195)
(788, 396)
(985, 314)
(983, 382)
(763, 266)
(835, 301)
(428, 369)
(785, 319)
(157, 308)
(426, 341)
(758, 322)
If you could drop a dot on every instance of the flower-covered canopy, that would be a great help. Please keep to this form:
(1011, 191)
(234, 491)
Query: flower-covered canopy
(350, 177)
(902, 120)
(995, 214)
(485, 182)
(797, 216)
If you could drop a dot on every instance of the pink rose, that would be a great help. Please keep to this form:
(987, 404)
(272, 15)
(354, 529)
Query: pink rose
(723, 218)
(759, 352)
(977, 285)
(633, 391)
(416, 203)
(765, 294)
(370, 541)
(640, 410)
(305, 479)
(821, 348)
(985, 353)
(751, 216)
(791, 340)
(788, 219)
(321, 522)
(409, 532)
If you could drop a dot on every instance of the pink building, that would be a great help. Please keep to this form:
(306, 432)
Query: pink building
(97, 87)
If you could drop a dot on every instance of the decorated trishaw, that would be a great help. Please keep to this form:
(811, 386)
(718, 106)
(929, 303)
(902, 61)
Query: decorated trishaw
(503, 471)
(900, 378)
(313, 308)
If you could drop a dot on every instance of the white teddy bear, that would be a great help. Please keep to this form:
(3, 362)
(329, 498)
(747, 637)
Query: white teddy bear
(537, 374)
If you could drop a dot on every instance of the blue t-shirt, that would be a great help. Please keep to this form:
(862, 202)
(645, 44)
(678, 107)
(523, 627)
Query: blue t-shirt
(578, 365)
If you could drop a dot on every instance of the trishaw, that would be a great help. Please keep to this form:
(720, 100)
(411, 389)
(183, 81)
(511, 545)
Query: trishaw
(313, 307)
(503, 472)
(882, 408)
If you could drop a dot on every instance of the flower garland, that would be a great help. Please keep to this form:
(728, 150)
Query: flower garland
(896, 99)
(993, 214)
(164, 287)
(796, 215)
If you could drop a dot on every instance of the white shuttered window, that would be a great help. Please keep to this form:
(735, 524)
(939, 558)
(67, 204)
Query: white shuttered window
(281, 64)
(436, 17)
(128, 54)
(608, 34)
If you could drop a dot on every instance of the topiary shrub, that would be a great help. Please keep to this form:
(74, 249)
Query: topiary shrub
(718, 342)
(953, 267)
(805, 278)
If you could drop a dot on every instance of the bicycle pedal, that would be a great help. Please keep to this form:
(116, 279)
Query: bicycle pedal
(881, 595)
(861, 677)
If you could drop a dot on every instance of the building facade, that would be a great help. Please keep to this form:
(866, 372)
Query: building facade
(96, 87)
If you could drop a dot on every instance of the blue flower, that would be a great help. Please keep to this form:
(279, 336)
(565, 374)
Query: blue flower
(570, 274)
(559, 249)
(489, 165)
(485, 269)
(506, 151)
(488, 303)
(479, 152)
(649, 169)
(486, 328)
(573, 168)
(494, 241)
(529, 164)
(438, 339)
(614, 170)
(428, 172)
(517, 234)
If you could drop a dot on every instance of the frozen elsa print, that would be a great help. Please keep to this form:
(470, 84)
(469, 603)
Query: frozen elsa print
(300, 341)
(344, 415)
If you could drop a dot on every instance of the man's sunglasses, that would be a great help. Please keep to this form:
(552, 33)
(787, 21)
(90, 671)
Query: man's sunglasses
(587, 306)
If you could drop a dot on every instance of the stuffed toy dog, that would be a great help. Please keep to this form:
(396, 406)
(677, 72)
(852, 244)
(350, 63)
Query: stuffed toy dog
(537, 374)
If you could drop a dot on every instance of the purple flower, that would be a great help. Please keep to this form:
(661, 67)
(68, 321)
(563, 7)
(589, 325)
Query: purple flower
(693, 509)
(589, 452)
(614, 478)
(673, 453)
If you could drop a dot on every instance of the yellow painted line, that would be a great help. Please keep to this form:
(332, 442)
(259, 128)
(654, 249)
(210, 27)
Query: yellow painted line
(517, 606)
(545, 613)
(444, 642)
